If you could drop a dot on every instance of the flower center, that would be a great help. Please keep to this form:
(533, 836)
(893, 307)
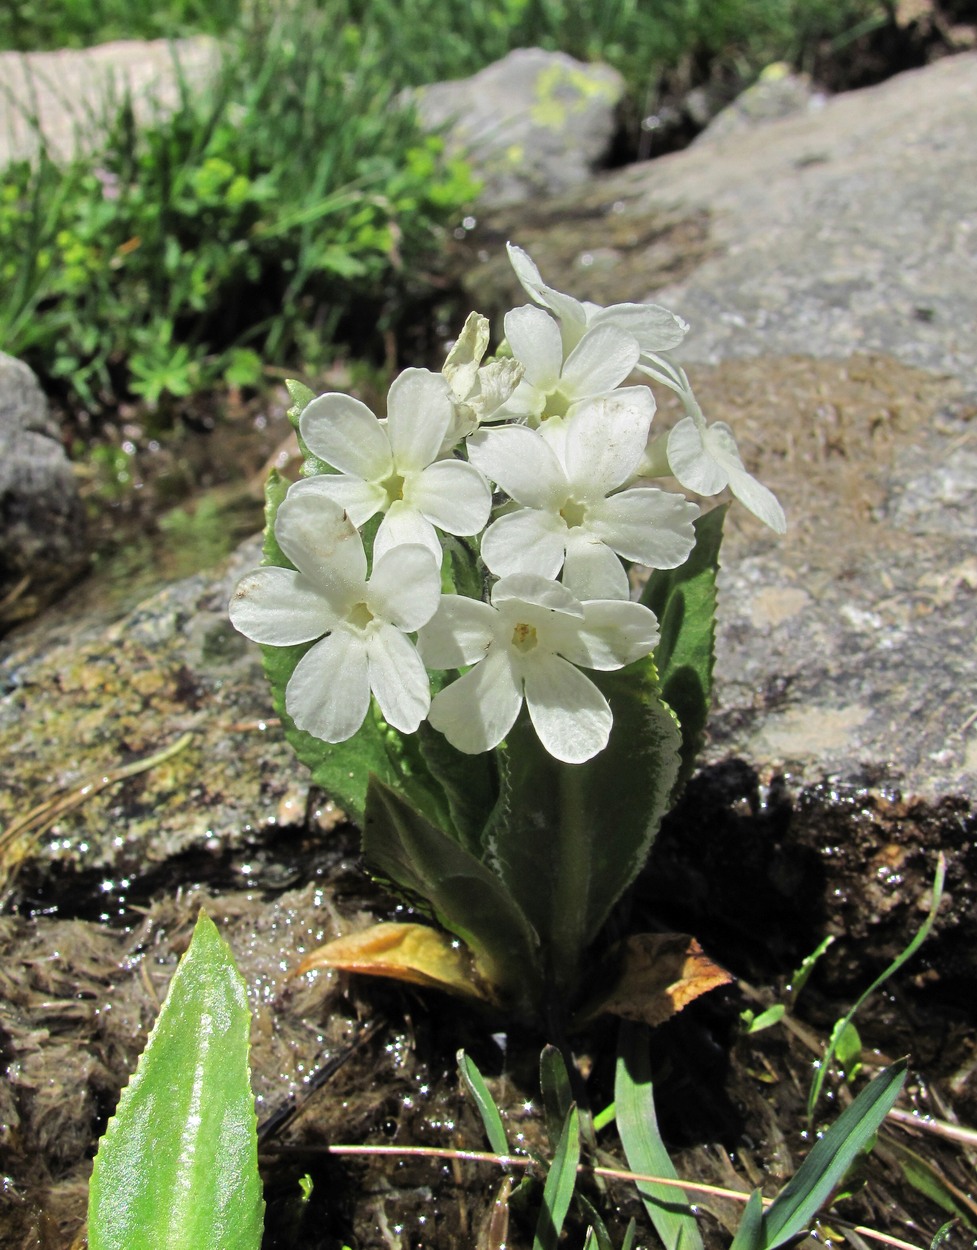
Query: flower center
(524, 638)
(557, 405)
(573, 513)
(360, 616)
(394, 486)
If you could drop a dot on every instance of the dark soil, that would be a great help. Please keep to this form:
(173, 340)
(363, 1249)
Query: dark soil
(758, 877)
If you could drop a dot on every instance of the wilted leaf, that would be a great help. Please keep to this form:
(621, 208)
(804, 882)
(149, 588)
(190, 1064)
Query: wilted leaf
(404, 952)
(652, 976)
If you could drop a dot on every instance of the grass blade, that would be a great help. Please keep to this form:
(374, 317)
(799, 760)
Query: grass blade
(637, 1125)
(475, 1084)
(810, 1187)
(561, 1180)
(749, 1234)
(839, 1030)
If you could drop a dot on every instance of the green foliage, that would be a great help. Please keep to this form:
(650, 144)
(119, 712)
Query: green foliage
(561, 1181)
(637, 1126)
(178, 1165)
(254, 222)
(474, 1082)
(684, 600)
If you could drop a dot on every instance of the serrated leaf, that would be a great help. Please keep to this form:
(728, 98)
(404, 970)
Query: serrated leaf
(811, 1185)
(178, 1165)
(466, 895)
(684, 600)
(568, 839)
(637, 1125)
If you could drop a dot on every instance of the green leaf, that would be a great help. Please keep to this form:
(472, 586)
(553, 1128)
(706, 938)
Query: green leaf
(554, 1084)
(929, 1180)
(684, 600)
(910, 950)
(178, 1165)
(773, 1015)
(466, 895)
(749, 1234)
(811, 1185)
(637, 1125)
(600, 819)
(561, 1180)
(807, 965)
(491, 1119)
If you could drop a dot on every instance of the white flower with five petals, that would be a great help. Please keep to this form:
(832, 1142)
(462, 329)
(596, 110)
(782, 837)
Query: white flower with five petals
(554, 381)
(393, 466)
(361, 623)
(572, 514)
(526, 645)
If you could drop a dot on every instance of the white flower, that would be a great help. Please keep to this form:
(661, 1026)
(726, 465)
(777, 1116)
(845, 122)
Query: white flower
(552, 385)
(392, 466)
(526, 644)
(655, 328)
(704, 458)
(569, 517)
(364, 622)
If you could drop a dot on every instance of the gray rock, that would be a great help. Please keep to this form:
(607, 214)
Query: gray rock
(778, 92)
(827, 262)
(534, 123)
(42, 529)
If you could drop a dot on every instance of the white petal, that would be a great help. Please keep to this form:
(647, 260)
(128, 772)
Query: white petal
(691, 463)
(522, 463)
(655, 328)
(721, 444)
(398, 679)
(477, 711)
(460, 632)
(328, 695)
(404, 526)
(592, 570)
(651, 526)
(613, 633)
(526, 541)
(452, 495)
(279, 607)
(604, 440)
(573, 317)
(540, 592)
(358, 499)
(405, 587)
(346, 434)
(570, 715)
(534, 338)
(601, 361)
(321, 541)
(419, 411)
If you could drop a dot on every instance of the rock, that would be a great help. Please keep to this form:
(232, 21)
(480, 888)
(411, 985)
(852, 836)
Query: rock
(535, 123)
(42, 521)
(827, 262)
(63, 95)
(778, 92)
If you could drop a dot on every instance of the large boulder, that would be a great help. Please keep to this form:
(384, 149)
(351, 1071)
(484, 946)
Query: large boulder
(42, 521)
(535, 123)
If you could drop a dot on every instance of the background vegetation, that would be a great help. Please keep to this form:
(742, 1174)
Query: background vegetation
(297, 204)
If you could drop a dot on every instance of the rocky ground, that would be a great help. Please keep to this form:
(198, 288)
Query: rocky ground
(828, 264)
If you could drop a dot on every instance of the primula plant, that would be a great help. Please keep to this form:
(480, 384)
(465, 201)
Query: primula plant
(450, 625)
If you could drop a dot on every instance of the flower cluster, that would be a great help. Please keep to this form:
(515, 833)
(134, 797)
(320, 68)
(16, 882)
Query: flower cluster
(537, 462)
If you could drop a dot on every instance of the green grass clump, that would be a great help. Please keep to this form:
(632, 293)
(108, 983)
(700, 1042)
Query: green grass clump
(254, 224)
